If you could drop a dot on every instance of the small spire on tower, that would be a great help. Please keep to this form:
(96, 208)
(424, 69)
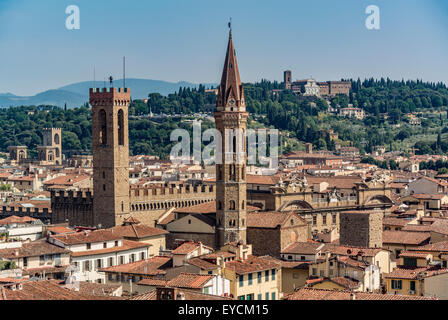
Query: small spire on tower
(230, 27)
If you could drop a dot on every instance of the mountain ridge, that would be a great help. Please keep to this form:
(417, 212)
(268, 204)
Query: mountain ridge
(75, 94)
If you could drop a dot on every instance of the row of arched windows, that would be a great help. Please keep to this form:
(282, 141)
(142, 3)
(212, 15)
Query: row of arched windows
(232, 205)
(232, 222)
(165, 205)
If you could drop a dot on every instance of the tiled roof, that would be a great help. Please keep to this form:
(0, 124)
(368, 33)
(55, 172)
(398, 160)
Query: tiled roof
(434, 247)
(414, 273)
(188, 295)
(203, 264)
(203, 208)
(270, 220)
(43, 290)
(440, 226)
(351, 251)
(169, 218)
(15, 219)
(352, 262)
(414, 254)
(151, 295)
(262, 180)
(32, 249)
(46, 270)
(127, 245)
(340, 182)
(131, 220)
(186, 247)
(392, 221)
(345, 282)
(404, 237)
(153, 282)
(323, 294)
(251, 264)
(97, 289)
(67, 180)
(137, 231)
(151, 267)
(303, 248)
(417, 228)
(60, 230)
(88, 237)
(190, 281)
(289, 264)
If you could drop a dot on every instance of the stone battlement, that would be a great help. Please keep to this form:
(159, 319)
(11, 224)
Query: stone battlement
(67, 195)
(107, 96)
(140, 193)
(144, 193)
(21, 210)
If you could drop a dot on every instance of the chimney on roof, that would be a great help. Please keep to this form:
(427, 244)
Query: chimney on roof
(352, 296)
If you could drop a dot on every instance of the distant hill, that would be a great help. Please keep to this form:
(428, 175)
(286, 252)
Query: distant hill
(77, 94)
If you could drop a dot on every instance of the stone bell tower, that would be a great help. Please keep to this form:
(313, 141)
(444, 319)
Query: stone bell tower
(110, 146)
(231, 122)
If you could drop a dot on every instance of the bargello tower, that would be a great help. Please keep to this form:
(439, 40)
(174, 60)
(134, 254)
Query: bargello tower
(231, 122)
(110, 146)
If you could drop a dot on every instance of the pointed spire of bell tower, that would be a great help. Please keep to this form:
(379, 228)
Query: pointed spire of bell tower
(230, 92)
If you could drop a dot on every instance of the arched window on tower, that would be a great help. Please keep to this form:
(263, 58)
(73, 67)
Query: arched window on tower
(103, 127)
(232, 205)
(120, 128)
(234, 144)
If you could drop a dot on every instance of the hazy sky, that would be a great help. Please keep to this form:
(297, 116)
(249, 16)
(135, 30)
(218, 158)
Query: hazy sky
(178, 40)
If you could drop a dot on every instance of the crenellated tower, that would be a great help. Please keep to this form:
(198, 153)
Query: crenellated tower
(231, 122)
(110, 146)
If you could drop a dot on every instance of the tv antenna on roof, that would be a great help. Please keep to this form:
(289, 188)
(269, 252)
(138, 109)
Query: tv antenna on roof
(124, 72)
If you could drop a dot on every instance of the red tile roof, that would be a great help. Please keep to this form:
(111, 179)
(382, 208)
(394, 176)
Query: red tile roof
(150, 267)
(323, 294)
(252, 264)
(270, 220)
(434, 247)
(414, 273)
(186, 247)
(303, 248)
(127, 245)
(15, 219)
(189, 281)
(137, 231)
(67, 180)
(60, 230)
(43, 290)
(405, 237)
(88, 237)
(32, 249)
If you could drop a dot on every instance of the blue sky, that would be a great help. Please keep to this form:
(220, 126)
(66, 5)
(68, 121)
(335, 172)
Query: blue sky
(176, 40)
